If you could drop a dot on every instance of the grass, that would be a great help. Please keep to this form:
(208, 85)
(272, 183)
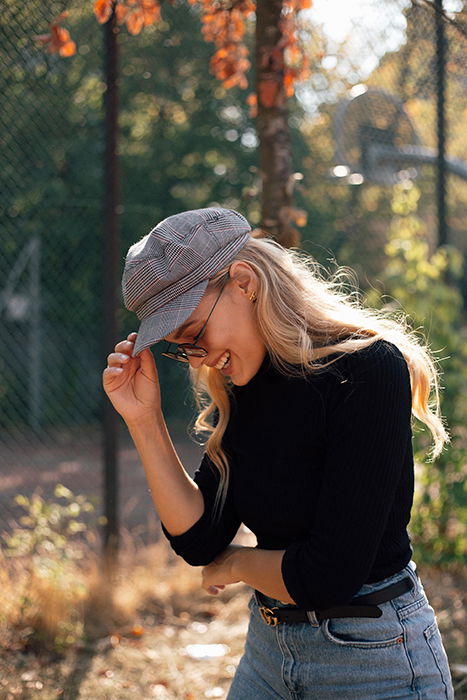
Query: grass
(80, 641)
(66, 632)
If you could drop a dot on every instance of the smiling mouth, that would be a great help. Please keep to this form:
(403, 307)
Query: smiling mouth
(223, 361)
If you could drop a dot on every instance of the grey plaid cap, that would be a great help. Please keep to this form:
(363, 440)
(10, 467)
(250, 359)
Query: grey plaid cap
(166, 273)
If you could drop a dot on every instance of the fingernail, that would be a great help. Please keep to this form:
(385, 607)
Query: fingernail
(123, 358)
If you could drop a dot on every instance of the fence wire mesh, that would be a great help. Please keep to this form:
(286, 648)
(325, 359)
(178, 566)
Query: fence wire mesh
(51, 354)
(375, 106)
(50, 315)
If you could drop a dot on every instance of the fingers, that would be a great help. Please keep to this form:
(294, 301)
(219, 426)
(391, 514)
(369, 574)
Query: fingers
(211, 588)
(214, 590)
(123, 351)
(117, 359)
(125, 346)
(148, 366)
(110, 373)
(120, 358)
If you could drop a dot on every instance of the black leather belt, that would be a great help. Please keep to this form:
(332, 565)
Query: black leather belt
(362, 606)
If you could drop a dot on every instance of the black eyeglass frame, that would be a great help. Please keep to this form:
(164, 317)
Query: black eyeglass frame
(186, 350)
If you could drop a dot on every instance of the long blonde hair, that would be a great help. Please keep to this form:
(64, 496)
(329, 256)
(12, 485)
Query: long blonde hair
(303, 317)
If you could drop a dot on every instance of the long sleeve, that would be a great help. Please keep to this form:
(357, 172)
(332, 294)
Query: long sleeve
(207, 537)
(368, 447)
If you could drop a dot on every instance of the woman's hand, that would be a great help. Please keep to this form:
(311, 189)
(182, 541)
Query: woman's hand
(131, 383)
(221, 572)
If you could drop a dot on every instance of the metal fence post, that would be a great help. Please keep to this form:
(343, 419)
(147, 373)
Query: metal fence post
(441, 123)
(110, 275)
(35, 344)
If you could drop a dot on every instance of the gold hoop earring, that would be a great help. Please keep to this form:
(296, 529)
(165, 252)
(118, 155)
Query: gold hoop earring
(252, 297)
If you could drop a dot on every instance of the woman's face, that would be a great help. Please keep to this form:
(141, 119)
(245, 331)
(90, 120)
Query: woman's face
(231, 336)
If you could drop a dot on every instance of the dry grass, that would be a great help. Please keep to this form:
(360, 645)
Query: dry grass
(129, 640)
(73, 602)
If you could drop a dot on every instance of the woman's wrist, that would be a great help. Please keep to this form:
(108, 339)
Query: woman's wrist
(261, 569)
(239, 562)
(153, 420)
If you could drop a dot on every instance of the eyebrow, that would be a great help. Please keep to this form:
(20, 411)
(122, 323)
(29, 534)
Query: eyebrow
(183, 328)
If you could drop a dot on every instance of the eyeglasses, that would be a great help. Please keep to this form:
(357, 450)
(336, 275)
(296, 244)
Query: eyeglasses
(184, 351)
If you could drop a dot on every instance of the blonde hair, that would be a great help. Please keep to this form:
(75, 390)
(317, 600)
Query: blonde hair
(303, 317)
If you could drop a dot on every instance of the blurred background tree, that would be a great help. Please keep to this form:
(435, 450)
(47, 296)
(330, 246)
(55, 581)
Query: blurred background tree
(280, 62)
(414, 281)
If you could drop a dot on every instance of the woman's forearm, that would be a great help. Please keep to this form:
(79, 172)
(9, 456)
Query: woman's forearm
(261, 569)
(177, 498)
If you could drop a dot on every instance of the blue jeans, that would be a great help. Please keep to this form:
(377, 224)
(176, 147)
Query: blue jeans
(399, 655)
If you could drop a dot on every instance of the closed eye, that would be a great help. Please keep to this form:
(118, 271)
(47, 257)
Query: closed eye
(196, 336)
(190, 339)
(182, 331)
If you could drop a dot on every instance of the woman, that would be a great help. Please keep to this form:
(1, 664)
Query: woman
(310, 397)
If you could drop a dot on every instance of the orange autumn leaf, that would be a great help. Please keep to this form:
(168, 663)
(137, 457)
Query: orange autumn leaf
(151, 12)
(103, 10)
(138, 14)
(268, 92)
(288, 83)
(252, 102)
(135, 22)
(225, 24)
(121, 12)
(58, 40)
(67, 47)
(299, 217)
(151, 16)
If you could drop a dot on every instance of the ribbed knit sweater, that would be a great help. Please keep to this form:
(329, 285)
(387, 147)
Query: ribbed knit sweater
(321, 466)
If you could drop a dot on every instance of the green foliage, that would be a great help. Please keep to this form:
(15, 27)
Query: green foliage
(422, 282)
(50, 530)
(50, 550)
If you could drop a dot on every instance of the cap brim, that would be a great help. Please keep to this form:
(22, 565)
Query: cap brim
(168, 318)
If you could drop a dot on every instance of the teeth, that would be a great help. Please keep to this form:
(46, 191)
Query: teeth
(223, 361)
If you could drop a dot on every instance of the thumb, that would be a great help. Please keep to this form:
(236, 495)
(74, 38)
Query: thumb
(148, 366)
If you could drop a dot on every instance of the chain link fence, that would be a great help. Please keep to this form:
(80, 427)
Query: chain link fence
(49, 396)
(388, 72)
(51, 203)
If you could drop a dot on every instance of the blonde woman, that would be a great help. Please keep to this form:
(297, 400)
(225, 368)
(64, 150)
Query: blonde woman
(307, 398)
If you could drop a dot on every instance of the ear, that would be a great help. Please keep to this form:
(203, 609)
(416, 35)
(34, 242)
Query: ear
(243, 277)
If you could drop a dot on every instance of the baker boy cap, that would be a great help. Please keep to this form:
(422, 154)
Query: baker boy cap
(166, 273)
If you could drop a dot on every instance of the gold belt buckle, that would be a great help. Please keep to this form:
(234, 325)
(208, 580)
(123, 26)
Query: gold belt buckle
(268, 616)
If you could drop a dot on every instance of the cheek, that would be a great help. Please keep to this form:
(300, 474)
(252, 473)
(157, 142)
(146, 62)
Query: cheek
(249, 347)
(237, 331)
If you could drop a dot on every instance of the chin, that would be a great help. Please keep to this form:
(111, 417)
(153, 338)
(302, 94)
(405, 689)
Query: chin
(247, 370)
(244, 378)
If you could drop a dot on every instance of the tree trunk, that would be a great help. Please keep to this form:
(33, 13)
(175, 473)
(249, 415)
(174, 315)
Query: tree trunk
(275, 159)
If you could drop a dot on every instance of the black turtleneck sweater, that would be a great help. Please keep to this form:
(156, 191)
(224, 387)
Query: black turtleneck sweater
(322, 467)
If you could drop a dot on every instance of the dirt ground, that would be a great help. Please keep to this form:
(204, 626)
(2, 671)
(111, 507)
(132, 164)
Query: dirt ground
(156, 659)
